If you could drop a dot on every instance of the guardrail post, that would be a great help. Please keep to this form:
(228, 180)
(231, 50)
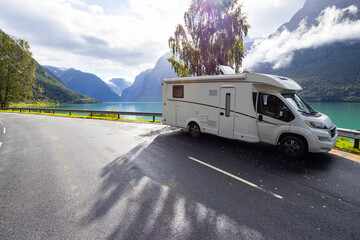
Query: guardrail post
(91, 114)
(153, 118)
(53, 112)
(20, 110)
(118, 116)
(356, 143)
(69, 113)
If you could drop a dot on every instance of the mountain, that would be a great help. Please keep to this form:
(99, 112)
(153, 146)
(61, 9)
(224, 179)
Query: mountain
(118, 85)
(84, 83)
(312, 9)
(129, 94)
(147, 85)
(49, 89)
(329, 73)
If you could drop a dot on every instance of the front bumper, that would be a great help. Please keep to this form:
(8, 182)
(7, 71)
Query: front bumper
(323, 141)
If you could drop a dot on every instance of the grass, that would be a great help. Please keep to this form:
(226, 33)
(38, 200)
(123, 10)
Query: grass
(33, 104)
(111, 117)
(347, 144)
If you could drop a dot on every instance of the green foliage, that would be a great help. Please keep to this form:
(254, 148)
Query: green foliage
(212, 36)
(34, 103)
(17, 69)
(23, 80)
(347, 144)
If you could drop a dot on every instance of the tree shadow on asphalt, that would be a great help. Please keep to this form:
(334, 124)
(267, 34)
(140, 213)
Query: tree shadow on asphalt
(146, 206)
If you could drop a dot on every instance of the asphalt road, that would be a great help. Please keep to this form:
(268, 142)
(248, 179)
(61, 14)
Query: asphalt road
(66, 178)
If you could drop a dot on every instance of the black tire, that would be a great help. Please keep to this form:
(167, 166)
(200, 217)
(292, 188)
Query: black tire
(292, 146)
(194, 130)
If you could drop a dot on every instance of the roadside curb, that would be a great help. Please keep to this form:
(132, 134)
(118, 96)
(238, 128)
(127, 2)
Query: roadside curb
(347, 155)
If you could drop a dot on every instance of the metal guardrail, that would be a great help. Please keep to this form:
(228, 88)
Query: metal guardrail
(354, 134)
(91, 112)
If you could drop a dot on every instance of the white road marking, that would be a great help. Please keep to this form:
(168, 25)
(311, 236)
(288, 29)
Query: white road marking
(0, 144)
(237, 178)
(4, 130)
(1, 122)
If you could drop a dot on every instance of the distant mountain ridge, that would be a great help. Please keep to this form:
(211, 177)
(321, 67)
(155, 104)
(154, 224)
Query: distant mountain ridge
(84, 83)
(147, 85)
(118, 85)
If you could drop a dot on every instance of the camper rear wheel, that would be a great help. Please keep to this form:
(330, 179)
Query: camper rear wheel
(292, 146)
(194, 130)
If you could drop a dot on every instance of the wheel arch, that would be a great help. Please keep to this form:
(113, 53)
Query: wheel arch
(193, 120)
(285, 134)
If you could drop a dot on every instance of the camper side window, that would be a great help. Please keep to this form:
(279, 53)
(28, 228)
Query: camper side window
(270, 105)
(178, 91)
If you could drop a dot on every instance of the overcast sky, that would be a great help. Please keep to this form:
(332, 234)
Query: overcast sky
(116, 38)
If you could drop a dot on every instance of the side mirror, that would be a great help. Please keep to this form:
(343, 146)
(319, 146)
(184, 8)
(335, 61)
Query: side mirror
(284, 114)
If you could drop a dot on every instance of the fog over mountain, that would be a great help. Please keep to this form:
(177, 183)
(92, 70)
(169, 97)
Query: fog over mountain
(118, 85)
(332, 25)
(319, 48)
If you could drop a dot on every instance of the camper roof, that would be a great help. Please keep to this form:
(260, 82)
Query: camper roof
(273, 80)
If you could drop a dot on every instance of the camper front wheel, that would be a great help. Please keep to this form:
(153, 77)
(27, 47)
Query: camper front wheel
(194, 130)
(292, 146)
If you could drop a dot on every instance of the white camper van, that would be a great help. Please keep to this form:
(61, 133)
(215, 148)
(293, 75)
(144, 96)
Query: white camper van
(249, 107)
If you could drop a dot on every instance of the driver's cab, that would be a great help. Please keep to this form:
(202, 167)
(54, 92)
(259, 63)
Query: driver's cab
(273, 115)
(286, 120)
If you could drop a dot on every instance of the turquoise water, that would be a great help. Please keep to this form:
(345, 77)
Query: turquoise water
(344, 115)
(117, 106)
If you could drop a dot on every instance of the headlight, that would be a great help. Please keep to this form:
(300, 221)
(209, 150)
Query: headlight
(316, 125)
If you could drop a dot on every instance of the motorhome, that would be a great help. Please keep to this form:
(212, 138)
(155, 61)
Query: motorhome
(249, 107)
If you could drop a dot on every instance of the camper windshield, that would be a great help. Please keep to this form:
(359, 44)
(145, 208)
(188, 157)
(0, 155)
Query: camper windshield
(299, 103)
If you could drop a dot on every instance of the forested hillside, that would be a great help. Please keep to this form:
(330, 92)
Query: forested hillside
(329, 73)
(45, 87)
(48, 88)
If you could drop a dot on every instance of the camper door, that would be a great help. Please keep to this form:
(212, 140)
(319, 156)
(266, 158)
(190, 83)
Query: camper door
(269, 118)
(226, 111)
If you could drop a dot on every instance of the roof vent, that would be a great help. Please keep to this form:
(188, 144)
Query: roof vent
(226, 70)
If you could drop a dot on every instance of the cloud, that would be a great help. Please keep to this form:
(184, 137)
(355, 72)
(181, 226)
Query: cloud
(96, 9)
(132, 37)
(266, 16)
(279, 49)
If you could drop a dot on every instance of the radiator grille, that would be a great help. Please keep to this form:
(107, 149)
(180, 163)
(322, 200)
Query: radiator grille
(332, 131)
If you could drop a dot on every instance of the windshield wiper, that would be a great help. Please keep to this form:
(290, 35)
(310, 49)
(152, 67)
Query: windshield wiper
(304, 112)
(313, 112)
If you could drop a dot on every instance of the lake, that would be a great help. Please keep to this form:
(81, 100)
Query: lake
(344, 115)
